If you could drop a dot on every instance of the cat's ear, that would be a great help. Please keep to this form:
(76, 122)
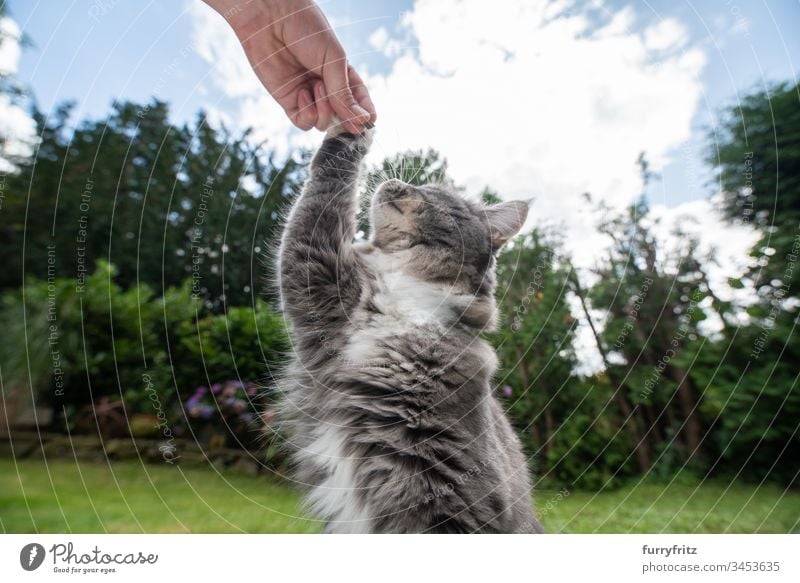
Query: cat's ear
(505, 220)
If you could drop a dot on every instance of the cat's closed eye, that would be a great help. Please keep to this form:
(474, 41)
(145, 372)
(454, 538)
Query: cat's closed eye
(395, 207)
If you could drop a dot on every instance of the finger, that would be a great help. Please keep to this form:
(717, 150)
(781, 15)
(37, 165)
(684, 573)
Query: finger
(324, 111)
(305, 117)
(361, 94)
(337, 85)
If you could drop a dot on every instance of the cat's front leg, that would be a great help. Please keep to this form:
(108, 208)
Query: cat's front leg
(319, 269)
(340, 156)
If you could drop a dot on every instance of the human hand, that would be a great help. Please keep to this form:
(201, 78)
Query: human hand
(298, 58)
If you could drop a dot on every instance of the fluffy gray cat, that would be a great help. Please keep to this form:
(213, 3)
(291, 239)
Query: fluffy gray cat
(388, 403)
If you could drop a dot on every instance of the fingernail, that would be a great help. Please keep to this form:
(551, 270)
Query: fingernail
(320, 91)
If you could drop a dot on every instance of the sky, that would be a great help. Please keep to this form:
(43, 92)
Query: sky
(542, 99)
(653, 79)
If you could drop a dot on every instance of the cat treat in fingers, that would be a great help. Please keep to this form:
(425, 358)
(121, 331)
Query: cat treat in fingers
(387, 402)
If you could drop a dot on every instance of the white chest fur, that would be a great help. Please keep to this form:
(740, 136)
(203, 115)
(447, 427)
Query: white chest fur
(405, 304)
(336, 498)
(408, 299)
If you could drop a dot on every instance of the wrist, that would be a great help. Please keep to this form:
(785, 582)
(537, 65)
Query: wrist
(229, 8)
(250, 18)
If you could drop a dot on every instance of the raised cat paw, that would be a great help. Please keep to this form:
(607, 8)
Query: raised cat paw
(337, 130)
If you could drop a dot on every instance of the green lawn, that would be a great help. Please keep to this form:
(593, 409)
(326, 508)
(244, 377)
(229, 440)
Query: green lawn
(68, 497)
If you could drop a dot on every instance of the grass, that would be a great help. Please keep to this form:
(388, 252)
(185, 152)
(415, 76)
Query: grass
(66, 496)
(127, 497)
(680, 507)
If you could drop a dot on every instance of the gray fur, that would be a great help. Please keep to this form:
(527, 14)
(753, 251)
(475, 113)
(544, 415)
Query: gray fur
(388, 405)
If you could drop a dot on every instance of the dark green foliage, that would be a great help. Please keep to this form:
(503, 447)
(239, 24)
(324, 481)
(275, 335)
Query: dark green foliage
(129, 345)
(754, 396)
(554, 411)
(752, 402)
(756, 154)
(243, 343)
(413, 167)
(162, 202)
(102, 337)
(653, 303)
(590, 449)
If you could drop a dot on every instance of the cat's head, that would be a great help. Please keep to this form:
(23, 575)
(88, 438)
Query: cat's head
(434, 234)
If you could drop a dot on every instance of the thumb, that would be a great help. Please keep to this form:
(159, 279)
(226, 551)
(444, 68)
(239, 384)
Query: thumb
(340, 95)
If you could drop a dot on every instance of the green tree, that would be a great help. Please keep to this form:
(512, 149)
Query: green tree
(415, 167)
(653, 302)
(15, 101)
(756, 155)
(558, 415)
(160, 201)
(66, 348)
(753, 394)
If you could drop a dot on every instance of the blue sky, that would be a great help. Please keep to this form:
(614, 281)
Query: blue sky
(95, 52)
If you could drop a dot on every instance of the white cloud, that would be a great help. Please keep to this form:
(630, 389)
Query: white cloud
(10, 50)
(731, 245)
(526, 99)
(589, 359)
(379, 38)
(534, 100)
(537, 103)
(216, 43)
(529, 99)
(383, 43)
(17, 128)
(667, 34)
(700, 220)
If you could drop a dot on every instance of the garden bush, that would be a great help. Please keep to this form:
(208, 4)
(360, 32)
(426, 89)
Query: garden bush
(99, 355)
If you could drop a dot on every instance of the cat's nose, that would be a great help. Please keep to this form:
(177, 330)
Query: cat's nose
(394, 186)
